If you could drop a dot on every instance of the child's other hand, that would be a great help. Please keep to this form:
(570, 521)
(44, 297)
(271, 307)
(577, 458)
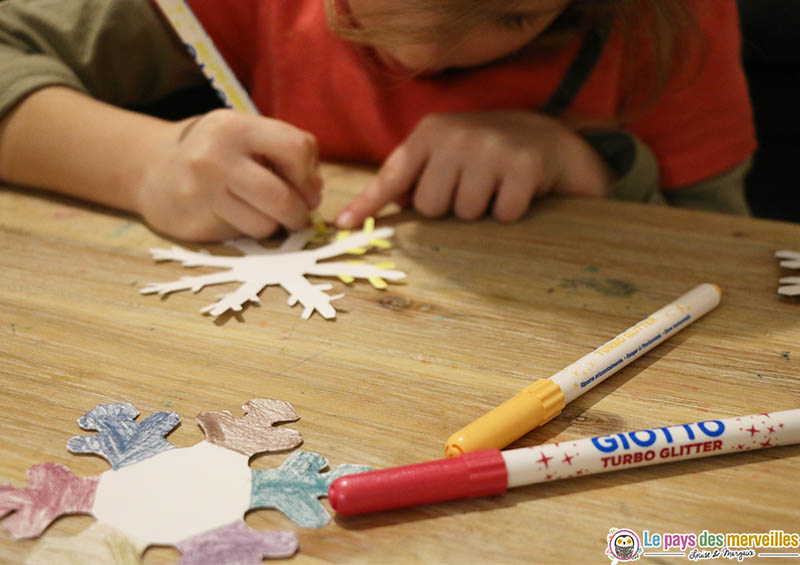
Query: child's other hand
(227, 174)
(469, 162)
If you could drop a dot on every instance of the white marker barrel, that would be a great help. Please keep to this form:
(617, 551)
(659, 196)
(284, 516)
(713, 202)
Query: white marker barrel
(593, 368)
(616, 452)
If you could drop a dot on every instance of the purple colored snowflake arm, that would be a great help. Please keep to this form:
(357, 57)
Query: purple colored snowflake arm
(236, 543)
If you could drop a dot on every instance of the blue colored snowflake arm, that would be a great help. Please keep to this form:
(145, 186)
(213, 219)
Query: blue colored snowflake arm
(121, 440)
(294, 487)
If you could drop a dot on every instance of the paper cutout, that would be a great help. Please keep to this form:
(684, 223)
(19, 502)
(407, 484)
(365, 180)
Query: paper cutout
(193, 498)
(790, 286)
(98, 544)
(52, 492)
(294, 487)
(246, 434)
(175, 495)
(286, 266)
(236, 543)
(791, 258)
(121, 440)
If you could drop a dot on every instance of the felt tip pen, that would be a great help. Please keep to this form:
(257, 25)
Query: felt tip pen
(493, 471)
(545, 398)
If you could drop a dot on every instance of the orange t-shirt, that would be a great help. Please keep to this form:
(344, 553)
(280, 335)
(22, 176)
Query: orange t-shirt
(299, 71)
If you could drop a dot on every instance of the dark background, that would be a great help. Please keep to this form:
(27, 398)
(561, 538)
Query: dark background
(771, 55)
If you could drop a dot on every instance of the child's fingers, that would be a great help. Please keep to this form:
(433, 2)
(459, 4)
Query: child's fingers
(513, 197)
(476, 187)
(269, 194)
(433, 194)
(239, 218)
(291, 152)
(395, 177)
(313, 194)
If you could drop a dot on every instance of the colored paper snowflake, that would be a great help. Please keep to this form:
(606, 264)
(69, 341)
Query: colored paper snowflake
(286, 266)
(790, 286)
(193, 498)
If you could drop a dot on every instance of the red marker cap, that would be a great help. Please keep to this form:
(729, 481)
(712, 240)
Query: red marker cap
(471, 475)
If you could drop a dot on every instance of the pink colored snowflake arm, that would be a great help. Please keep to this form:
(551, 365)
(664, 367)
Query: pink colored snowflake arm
(52, 492)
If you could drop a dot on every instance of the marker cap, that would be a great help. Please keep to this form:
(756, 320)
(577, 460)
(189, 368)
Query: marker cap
(533, 406)
(476, 474)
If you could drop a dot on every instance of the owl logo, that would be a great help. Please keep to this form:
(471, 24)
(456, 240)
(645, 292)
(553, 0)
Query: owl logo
(623, 545)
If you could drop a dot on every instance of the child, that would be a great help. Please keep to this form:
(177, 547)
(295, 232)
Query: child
(470, 106)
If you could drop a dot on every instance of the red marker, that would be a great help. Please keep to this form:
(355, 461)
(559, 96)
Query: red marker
(493, 471)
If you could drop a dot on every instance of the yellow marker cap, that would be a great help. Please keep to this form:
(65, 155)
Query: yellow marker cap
(533, 406)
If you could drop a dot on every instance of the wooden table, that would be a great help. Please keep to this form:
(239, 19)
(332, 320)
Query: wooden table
(486, 309)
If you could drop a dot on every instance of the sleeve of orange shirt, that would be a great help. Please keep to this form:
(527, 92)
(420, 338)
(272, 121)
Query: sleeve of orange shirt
(702, 125)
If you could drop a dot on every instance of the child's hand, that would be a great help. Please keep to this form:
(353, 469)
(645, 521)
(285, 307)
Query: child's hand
(470, 162)
(226, 174)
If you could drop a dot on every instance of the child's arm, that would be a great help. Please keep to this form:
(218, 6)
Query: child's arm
(207, 178)
(638, 177)
(471, 162)
(199, 179)
(118, 51)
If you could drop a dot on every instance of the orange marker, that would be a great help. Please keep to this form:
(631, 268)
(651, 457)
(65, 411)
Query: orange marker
(545, 399)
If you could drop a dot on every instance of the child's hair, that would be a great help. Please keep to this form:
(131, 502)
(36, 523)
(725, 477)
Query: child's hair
(662, 31)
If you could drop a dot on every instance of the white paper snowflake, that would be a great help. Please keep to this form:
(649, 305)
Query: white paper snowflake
(286, 266)
(790, 286)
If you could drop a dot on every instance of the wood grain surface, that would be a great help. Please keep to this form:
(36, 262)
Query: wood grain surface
(486, 309)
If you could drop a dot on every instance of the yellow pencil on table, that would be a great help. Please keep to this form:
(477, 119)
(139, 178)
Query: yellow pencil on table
(545, 399)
